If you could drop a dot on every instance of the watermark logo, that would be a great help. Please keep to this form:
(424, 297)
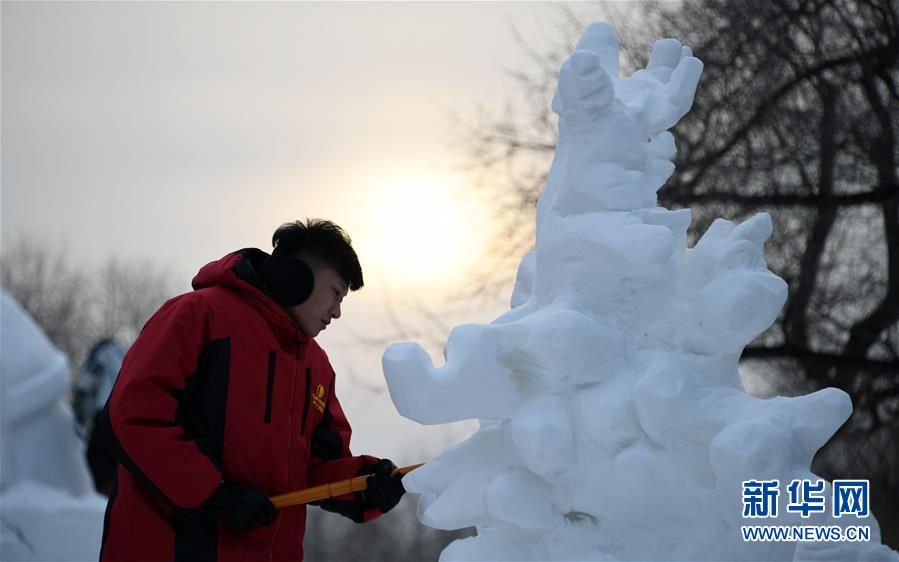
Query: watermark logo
(805, 533)
(850, 497)
(760, 498)
(805, 497)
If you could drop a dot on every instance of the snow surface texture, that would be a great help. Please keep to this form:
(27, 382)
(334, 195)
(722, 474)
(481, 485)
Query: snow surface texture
(48, 507)
(614, 424)
(45, 523)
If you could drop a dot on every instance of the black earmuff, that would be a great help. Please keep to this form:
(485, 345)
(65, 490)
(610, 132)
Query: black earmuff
(289, 279)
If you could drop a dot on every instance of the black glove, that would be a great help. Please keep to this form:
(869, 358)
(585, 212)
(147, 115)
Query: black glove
(243, 507)
(384, 491)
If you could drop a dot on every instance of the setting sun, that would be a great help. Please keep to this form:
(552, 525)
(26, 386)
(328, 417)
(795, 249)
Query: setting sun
(419, 227)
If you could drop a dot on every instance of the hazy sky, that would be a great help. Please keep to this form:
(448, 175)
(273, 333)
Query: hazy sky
(178, 132)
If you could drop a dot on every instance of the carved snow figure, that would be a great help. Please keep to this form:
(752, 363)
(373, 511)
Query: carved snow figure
(614, 424)
(48, 506)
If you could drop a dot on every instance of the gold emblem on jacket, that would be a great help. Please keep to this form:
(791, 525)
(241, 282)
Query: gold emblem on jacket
(317, 399)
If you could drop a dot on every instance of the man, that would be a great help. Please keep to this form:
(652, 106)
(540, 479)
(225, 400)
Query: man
(226, 399)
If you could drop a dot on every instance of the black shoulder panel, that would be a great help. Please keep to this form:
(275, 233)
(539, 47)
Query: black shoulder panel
(201, 405)
(201, 410)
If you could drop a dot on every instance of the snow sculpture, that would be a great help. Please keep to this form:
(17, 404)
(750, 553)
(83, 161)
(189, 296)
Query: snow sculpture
(614, 424)
(47, 502)
(39, 441)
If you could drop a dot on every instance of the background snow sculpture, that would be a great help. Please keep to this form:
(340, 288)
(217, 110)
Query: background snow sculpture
(613, 421)
(48, 505)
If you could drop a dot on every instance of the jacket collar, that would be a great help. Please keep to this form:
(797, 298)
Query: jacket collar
(240, 271)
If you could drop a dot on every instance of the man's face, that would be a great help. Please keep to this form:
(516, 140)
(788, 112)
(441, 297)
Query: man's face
(323, 304)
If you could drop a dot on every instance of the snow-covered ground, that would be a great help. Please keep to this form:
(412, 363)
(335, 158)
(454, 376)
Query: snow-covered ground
(41, 522)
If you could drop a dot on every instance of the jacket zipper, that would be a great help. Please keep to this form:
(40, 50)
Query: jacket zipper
(293, 388)
(272, 355)
(306, 402)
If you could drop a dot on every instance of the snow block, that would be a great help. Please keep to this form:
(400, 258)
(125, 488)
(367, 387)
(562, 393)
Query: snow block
(431, 395)
(521, 499)
(542, 435)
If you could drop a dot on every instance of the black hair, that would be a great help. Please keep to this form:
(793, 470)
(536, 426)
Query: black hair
(320, 242)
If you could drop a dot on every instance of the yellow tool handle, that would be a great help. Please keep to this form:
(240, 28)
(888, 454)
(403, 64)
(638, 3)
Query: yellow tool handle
(330, 490)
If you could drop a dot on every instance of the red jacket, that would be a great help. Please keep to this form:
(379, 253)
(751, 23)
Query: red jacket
(222, 385)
